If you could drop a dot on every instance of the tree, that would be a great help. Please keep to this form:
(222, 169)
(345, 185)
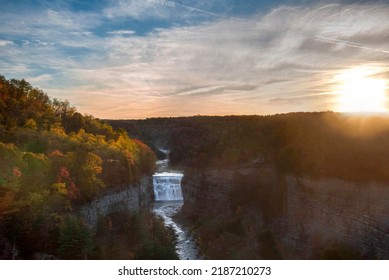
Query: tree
(86, 168)
(75, 240)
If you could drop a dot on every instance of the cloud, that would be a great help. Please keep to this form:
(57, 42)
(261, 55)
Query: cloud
(139, 9)
(344, 43)
(40, 78)
(201, 91)
(279, 61)
(6, 43)
(121, 32)
(159, 9)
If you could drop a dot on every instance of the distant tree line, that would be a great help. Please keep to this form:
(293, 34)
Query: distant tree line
(319, 145)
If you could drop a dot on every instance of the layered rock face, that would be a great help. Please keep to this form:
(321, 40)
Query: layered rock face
(336, 212)
(297, 218)
(132, 199)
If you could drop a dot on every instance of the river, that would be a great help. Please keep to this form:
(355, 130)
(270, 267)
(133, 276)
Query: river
(166, 208)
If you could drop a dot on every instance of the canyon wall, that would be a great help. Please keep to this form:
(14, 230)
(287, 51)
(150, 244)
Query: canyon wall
(323, 212)
(299, 218)
(132, 199)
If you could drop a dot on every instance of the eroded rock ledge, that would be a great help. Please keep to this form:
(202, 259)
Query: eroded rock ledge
(274, 216)
(132, 198)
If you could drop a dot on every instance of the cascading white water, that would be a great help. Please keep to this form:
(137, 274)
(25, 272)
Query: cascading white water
(168, 196)
(167, 186)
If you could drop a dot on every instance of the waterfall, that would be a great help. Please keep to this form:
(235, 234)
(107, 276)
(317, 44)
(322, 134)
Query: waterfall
(167, 186)
(168, 196)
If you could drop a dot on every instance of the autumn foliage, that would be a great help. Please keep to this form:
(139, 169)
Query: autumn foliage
(52, 160)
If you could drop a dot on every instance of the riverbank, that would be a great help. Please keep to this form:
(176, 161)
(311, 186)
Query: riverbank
(185, 242)
(168, 203)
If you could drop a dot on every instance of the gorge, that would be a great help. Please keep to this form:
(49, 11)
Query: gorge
(290, 186)
(293, 186)
(260, 215)
(168, 202)
(160, 193)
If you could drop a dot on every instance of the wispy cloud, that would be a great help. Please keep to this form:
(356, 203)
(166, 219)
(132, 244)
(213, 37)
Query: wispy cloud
(201, 91)
(283, 60)
(344, 43)
(163, 9)
(121, 32)
(6, 43)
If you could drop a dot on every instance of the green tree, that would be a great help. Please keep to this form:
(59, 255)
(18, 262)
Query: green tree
(75, 241)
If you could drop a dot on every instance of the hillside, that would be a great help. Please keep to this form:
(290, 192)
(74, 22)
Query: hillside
(53, 160)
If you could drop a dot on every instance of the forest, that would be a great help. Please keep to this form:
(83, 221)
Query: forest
(243, 217)
(238, 216)
(53, 160)
(314, 146)
(318, 144)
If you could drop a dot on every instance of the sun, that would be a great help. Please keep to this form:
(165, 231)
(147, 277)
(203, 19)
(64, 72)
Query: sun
(358, 92)
(363, 95)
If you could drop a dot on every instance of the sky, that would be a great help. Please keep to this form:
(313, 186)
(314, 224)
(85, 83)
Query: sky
(134, 59)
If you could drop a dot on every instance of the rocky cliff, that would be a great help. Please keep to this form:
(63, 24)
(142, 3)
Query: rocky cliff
(273, 216)
(132, 198)
(335, 212)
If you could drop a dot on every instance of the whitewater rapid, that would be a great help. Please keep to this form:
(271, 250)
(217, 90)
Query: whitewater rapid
(168, 202)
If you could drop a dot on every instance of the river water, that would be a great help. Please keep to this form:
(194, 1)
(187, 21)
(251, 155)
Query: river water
(186, 247)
